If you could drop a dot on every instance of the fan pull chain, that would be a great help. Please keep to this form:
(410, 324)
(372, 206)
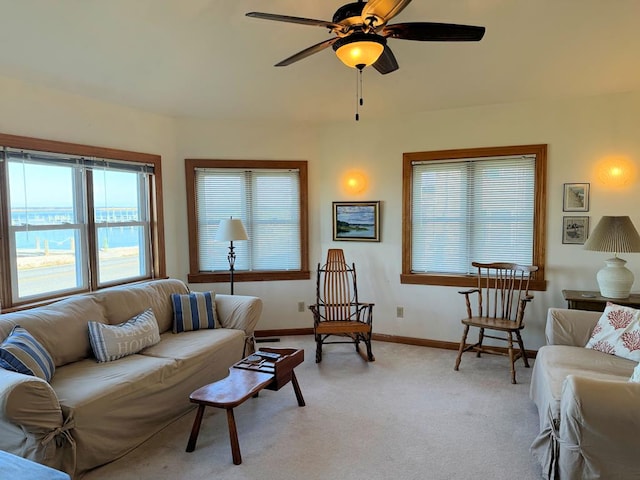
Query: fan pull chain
(359, 100)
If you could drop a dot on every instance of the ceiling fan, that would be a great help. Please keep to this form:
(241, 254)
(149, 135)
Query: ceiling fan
(361, 31)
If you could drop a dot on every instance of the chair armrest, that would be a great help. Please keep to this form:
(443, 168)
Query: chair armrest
(241, 312)
(570, 327)
(365, 312)
(599, 424)
(467, 292)
(365, 304)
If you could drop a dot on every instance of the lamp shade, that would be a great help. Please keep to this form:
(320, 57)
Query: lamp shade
(614, 234)
(359, 50)
(231, 229)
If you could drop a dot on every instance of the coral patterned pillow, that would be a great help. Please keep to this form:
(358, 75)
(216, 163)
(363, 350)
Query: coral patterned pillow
(617, 332)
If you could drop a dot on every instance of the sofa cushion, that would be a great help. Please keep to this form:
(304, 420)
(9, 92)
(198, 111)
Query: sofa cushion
(111, 342)
(193, 311)
(115, 406)
(199, 347)
(123, 302)
(60, 327)
(555, 362)
(617, 332)
(21, 352)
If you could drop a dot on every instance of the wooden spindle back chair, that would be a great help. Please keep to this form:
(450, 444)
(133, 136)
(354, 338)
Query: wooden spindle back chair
(337, 311)
(501, 297)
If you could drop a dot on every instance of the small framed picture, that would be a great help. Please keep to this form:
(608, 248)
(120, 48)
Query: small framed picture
(575, 230)
(576, 197)
(356, 221)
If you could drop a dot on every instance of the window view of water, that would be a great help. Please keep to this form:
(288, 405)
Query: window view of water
(47, 256)
(108, 237)
(48, 195)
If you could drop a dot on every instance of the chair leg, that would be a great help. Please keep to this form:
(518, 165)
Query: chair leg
(512, 359)
(522, 350)
(367, 342)
(480, 340)
(462, 345)
(318, 348)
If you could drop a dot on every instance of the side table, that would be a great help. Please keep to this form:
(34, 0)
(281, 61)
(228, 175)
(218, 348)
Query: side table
(593, 301)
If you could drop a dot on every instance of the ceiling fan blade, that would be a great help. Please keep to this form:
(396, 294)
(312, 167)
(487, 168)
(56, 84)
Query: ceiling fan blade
(300, 20)
(434, 32)
(306, 52)
(387, 62)
(385, 10)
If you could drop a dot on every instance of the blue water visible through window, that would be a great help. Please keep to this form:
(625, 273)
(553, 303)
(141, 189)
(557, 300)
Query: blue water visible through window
(112, 237)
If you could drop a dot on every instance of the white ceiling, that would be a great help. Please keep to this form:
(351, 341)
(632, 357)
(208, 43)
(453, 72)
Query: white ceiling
(205, 58)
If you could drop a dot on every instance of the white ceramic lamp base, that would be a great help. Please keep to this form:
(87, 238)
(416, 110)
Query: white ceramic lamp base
(615, 280)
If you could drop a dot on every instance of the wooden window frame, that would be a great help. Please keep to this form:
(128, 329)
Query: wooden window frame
(197, 276)
(156, 214)
(538, 281)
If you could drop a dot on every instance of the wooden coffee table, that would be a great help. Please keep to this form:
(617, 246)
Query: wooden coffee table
(269, 368)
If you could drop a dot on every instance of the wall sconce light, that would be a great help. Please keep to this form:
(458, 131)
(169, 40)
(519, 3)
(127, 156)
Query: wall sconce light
(355, 182)
(616, 171)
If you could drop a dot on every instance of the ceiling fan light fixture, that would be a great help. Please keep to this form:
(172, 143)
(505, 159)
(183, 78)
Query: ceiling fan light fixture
(359, 49)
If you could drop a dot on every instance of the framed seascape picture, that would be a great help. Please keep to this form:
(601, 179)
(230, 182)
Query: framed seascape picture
(576, 197)
(356, 221)
(575, 230)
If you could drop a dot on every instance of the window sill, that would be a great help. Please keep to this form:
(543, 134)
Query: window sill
(206, 277)
(457, 281)
(56, 298)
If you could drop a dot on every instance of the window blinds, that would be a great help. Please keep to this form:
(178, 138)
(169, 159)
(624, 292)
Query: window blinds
(472, 210)
(38, 157)
(268, 203)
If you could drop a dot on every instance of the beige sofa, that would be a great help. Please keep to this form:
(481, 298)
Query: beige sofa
(589, 411)
(92, 413)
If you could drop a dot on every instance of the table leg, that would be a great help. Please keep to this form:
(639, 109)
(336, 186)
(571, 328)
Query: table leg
(233, 438)
(296, 389)
(195, 430)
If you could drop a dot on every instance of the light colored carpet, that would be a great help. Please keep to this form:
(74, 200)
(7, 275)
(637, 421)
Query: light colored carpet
(408, 415)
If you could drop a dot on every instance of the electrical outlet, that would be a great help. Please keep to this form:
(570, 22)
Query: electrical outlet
(400, 312)
(301, 306)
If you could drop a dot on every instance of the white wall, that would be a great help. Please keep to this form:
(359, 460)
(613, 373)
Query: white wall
(53, 115)
(580, 134)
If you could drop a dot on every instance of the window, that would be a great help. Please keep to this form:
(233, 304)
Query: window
(76, 218)
(270, 197)
(484, 204)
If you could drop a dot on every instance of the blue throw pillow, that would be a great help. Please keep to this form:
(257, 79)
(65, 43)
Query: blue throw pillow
(22, 353)
(193, 311)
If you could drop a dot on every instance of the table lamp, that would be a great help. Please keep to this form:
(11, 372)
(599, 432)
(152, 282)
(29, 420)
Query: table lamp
(229, 230)
(614, 234)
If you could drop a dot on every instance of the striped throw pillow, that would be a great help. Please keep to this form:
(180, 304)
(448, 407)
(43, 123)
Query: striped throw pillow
(111, 342)
(193, 311)
(22, 353)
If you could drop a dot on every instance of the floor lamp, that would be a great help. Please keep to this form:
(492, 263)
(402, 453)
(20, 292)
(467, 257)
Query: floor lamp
(229, 230)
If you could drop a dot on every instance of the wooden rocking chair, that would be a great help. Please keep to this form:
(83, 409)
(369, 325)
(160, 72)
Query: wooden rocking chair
(337, 311)
(502, 295)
